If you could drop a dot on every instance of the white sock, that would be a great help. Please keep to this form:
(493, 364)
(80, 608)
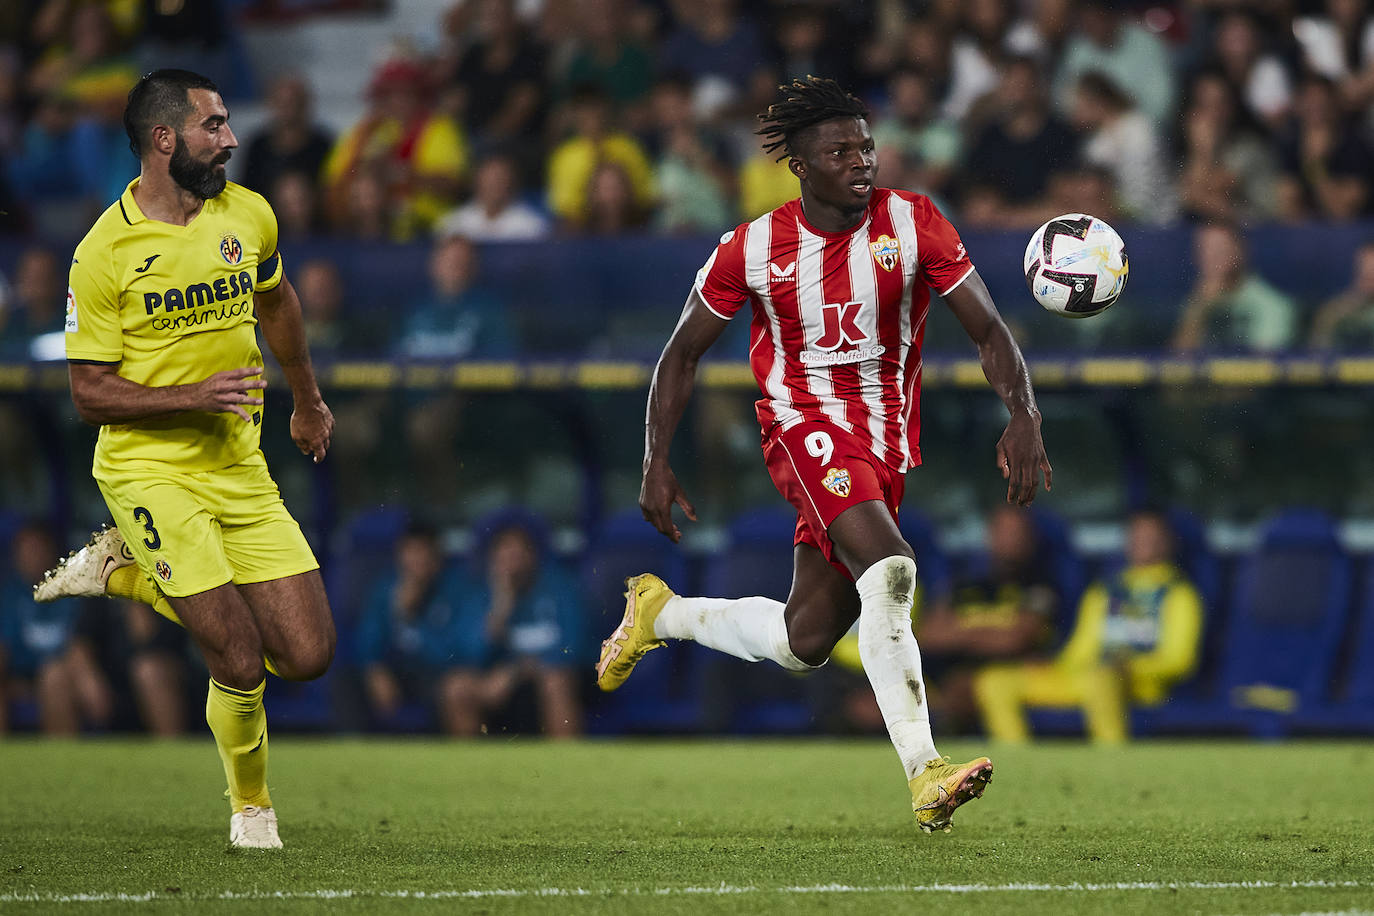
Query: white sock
(892, 661)
(749, 628)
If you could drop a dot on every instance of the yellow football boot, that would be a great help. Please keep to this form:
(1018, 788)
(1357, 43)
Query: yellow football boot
(941, 787)
(644, 597)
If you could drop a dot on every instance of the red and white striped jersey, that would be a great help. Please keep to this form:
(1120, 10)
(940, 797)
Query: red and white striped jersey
(839, 316)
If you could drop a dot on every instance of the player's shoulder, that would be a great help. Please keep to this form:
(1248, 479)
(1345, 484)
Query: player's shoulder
(238, 196)
(108, 229)
(919, 203)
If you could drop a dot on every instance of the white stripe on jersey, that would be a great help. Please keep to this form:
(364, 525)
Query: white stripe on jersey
(863, 287)
(756, 247)
(811, 309)
(903, 222)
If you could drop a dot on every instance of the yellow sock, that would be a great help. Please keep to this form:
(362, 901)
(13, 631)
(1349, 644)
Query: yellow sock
(239, 723)
(130, 582)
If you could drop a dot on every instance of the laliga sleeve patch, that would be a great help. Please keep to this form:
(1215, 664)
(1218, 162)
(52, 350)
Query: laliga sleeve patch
(71, 326)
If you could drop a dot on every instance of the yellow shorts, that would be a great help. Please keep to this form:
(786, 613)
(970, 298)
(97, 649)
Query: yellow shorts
(192, 532)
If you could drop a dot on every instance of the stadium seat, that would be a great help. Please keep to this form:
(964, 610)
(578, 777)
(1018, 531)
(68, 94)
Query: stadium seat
(1351, 709)
(743, 697)
(1289, 607)
(660, 696)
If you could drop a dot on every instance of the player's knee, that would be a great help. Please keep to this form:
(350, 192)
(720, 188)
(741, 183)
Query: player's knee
(307, 662)
(812, 646)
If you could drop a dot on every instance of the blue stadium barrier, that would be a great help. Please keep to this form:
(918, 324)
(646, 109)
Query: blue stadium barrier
(660, 696)
(743, 697)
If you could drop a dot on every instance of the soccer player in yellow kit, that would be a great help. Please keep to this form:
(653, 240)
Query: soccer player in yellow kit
(166, 292)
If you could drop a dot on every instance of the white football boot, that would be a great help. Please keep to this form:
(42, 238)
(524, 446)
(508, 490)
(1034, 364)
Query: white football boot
(83, 573)
(254, 828)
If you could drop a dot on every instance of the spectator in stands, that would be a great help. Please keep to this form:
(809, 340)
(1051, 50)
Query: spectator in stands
(289, 143)
(525, 618)
(958, 70)
(320, 289)
(918, 148)
(1230, 307)
(495, 213)
(40, 658)
(155, 651)
(1346, 322)
(1120, 138)
(1010, 163)
(605, 54)
(296, 200)
(805, 37)
(723, 53)
(765, 183)
(1043, 31)
(694, 181)
(1136, 636)
(458, 319)
(368, 212)
(419, 154)
(1339, 45)
(1229, 169)
(594, 142)
(408, 637)
(1136, 60)
(1006, 612)
(1327, 165)
(33, 309)
(611, 205)
(496, 73)
(1257, 73)
(88, 65)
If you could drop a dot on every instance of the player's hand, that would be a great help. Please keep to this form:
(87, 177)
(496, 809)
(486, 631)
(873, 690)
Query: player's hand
(1021, 458)
(312, 428)
(230, 391)
(657, 493)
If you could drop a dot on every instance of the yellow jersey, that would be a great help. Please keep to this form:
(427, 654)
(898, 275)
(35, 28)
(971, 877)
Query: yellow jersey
(172, 305)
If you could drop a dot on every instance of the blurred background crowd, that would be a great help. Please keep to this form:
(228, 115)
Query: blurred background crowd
(492, 210)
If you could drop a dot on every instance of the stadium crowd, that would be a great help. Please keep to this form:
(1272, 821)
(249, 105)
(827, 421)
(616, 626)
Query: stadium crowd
(508, 120)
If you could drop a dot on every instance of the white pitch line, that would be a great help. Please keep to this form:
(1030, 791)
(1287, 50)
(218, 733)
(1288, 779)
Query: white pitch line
(721, 890)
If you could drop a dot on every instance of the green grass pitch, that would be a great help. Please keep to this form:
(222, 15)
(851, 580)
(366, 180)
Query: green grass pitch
(518, 825)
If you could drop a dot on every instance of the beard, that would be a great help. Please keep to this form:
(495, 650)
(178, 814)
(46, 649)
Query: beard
(199, 178)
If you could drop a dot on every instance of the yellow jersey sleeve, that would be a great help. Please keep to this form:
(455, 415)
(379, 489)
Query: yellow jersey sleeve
(270, 270)
(93, 324)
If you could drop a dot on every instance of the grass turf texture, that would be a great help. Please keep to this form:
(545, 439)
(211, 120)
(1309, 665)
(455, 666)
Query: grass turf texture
(621, 820)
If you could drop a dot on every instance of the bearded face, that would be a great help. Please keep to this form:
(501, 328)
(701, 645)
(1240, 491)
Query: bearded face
(205, 178)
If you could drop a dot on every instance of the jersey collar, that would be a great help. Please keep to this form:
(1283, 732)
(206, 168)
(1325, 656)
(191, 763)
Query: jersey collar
(128, 208)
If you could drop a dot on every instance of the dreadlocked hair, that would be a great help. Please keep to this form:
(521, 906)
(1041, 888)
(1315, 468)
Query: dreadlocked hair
(806, 103)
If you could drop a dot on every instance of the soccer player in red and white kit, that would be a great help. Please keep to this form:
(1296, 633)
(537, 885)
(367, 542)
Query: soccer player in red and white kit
(837, 283)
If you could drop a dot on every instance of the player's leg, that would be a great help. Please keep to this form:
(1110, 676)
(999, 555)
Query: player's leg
(294, 621)
(275, 570)
(867, 542)
(866, 539)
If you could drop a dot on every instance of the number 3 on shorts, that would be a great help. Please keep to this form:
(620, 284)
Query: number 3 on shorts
(145, 518)
(819, 445)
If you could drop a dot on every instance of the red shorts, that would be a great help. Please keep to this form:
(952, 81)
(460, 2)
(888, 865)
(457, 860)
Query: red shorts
(822, 470)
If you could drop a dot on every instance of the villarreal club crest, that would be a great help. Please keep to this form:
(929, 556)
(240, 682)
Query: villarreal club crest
(230, 249)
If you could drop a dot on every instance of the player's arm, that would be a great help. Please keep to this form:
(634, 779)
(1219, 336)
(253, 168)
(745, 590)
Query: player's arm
(103, 396)
(1020, 452)
(669, 392)
(279, 314)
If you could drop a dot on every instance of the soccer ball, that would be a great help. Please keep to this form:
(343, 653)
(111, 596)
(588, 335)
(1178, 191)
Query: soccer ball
(1076, 265)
